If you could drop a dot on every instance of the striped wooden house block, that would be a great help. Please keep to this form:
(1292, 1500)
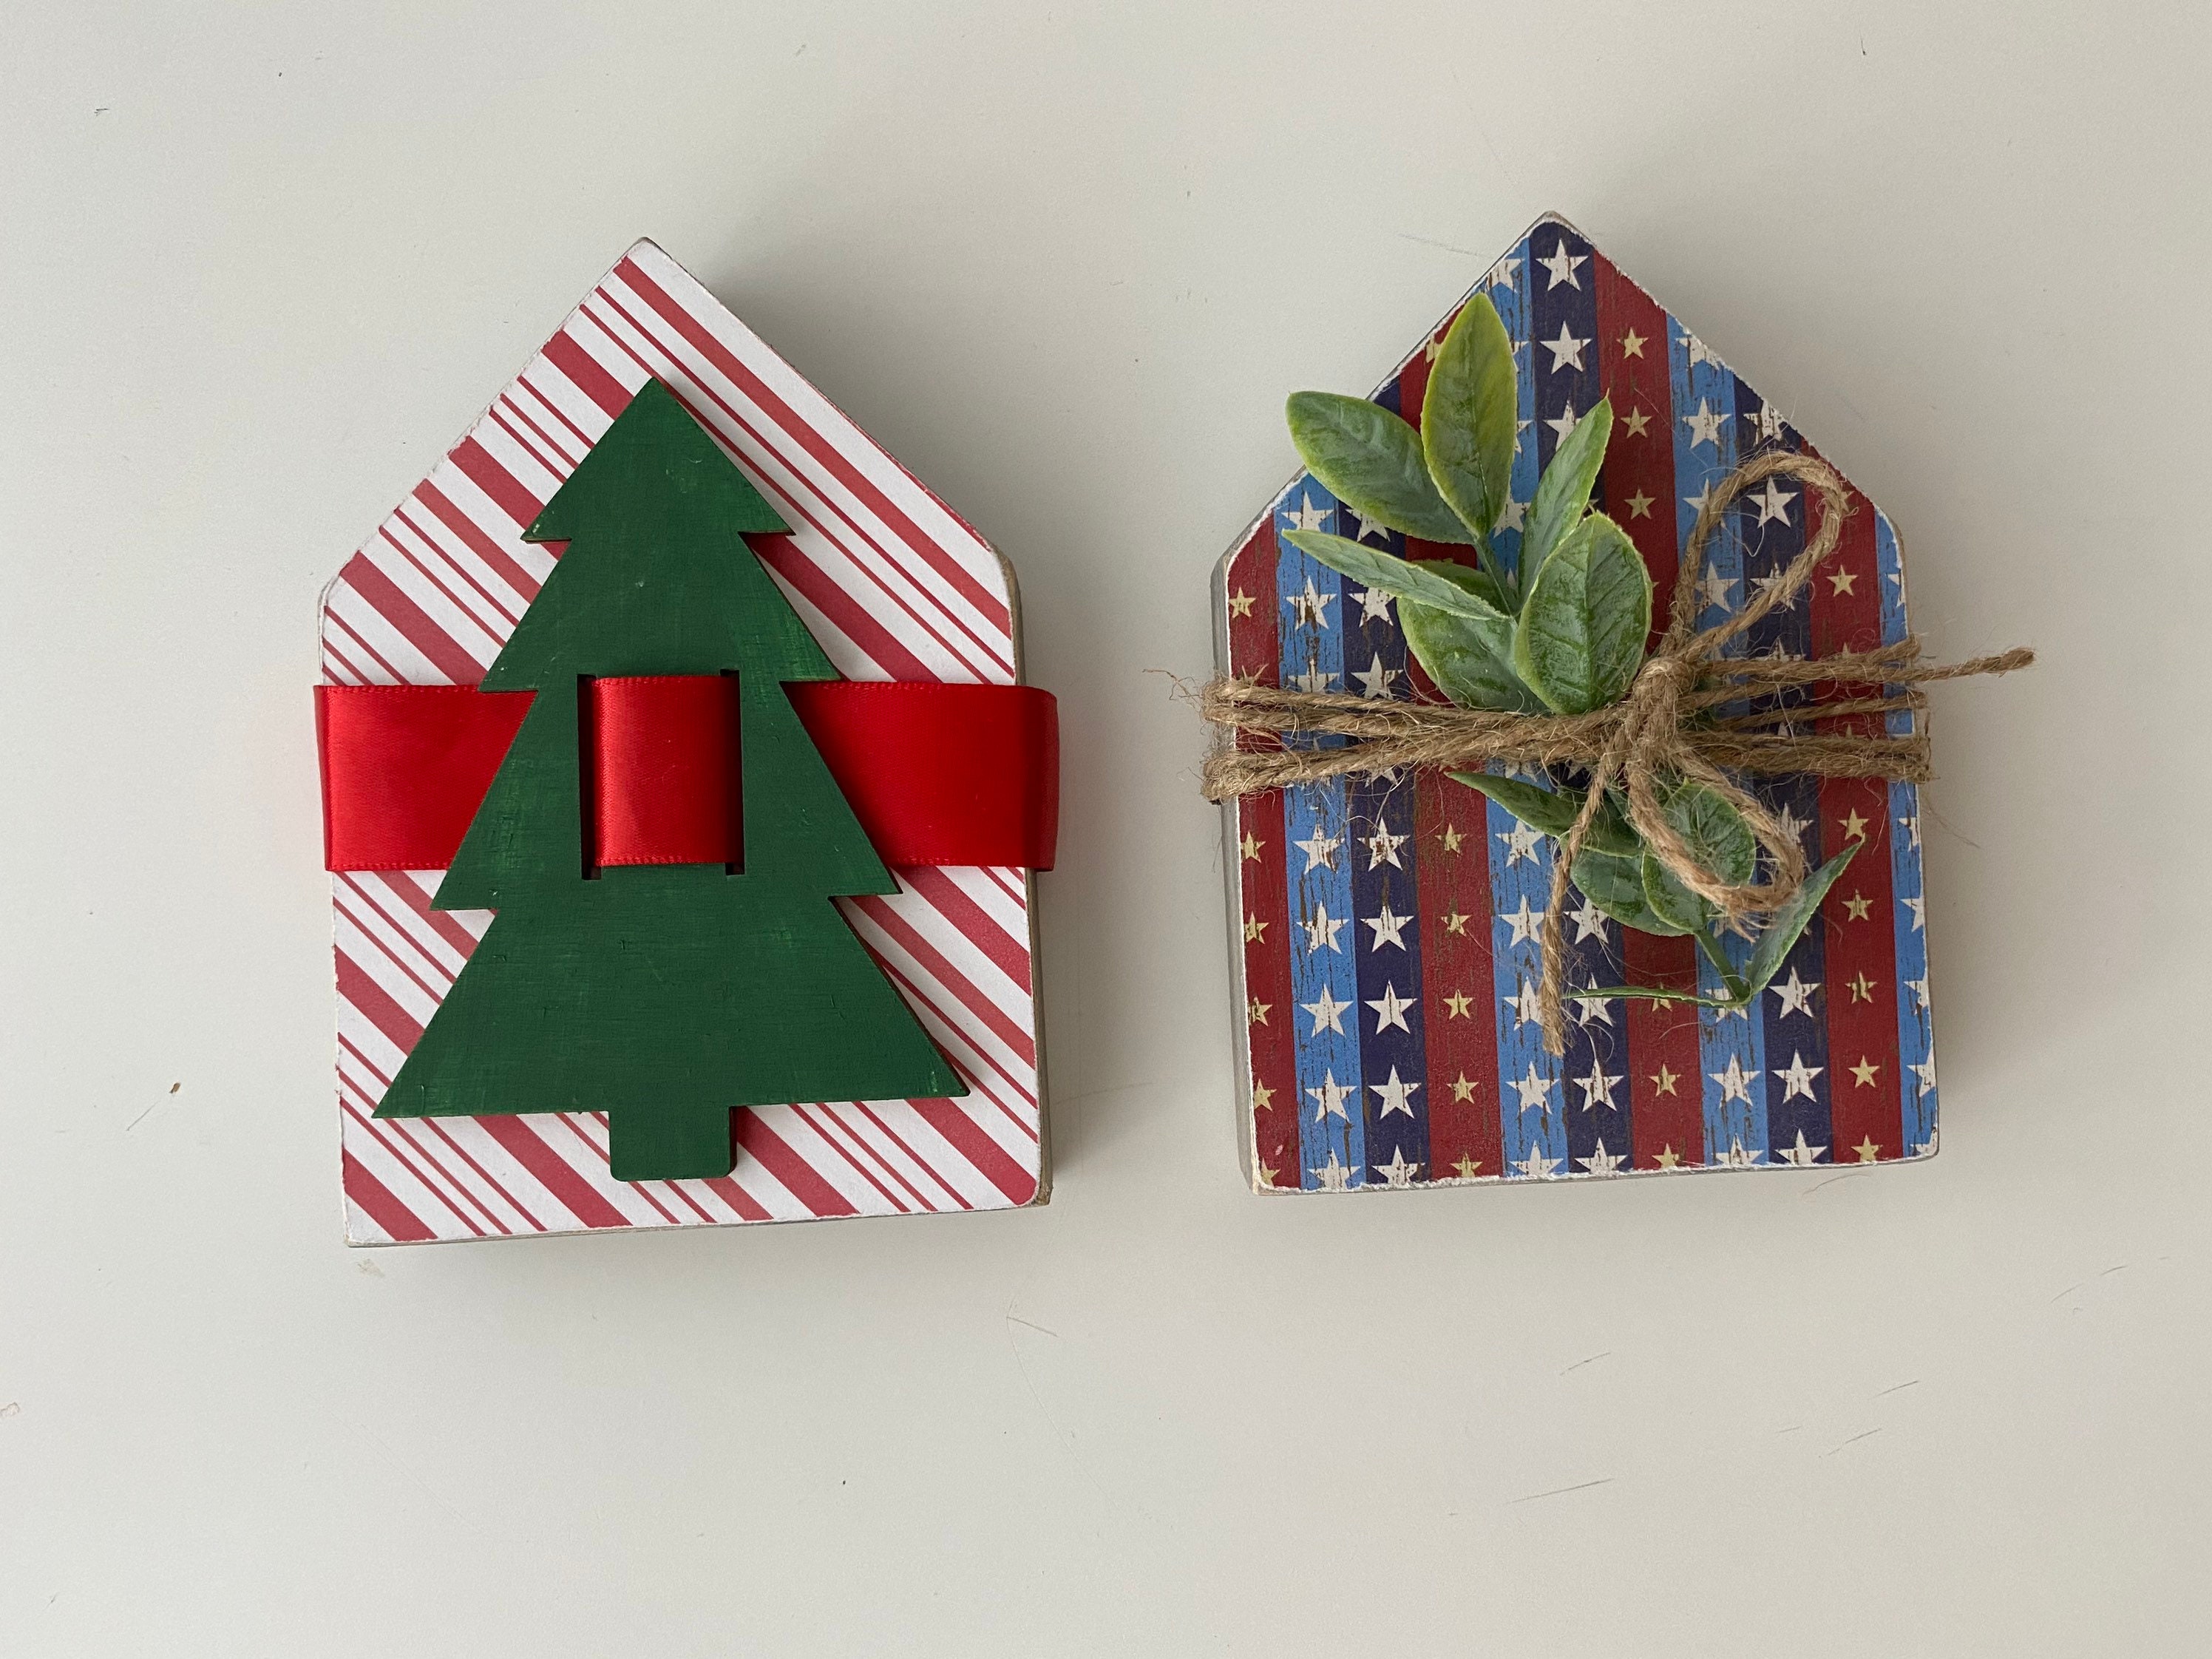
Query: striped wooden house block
(894, 586)
(1383, 931)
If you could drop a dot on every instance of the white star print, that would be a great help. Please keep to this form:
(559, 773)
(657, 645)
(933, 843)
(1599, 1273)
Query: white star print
(1919, 908)
(1566, 422)
(1390, 928)
(1524, 922)
(1370, 526)
(1383, 848)
(1374, 605)
(1737, 1158)
(1714, 588)
(1306, 515)
(1802, 1156)
(1705, 425)
(1566, 350)
(1501, 274)
(1334, 1176)
(1601, 1162)
(1535, 1091)
(1699, 351)
(1597, 1087)
(1770, 422)
(1766, 584)
(1515, 515)
(1374, 679)
(1320, 849)
(1329, 1098)
(1310, 608)
(1328, 1015)
(1796, 996)
(1397, 1172)
(1919, 989)
(1925, 1071)
(1393, 1095)
(1735, 1083)
(1389, 1011)
(1536, 1165)
(1697, 503)
(1590, 921)
(1798, 1078)
(1322, 931)
(1774, 503)
(1314, 680)
(1562, 266)
(1525, 1004)
(1911, 827)
(1589, 1008)
(1792, 826)
(1521, 842)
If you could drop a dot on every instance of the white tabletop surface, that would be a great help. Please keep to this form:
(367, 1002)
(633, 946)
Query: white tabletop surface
(263, 262)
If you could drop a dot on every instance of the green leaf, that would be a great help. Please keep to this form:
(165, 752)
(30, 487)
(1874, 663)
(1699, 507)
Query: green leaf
(1469, 658)
(1565, 489)
(1481, 583)
(1555, 814)
(1468, 415)
(1583, 626)
(1787, 923)
(1371, 461)
(1718, 837)
(1422, 582)
(1682, 909)
(1616, 885)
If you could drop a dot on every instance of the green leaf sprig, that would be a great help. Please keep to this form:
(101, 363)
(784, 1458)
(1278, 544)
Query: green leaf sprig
(1563, 631)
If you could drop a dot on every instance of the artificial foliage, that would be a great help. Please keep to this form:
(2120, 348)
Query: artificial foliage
(663, 996)
(1564, 630)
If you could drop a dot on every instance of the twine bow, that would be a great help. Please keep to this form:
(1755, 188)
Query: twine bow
(1665, 726)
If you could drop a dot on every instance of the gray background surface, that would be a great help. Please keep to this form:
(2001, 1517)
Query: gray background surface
(263, 262)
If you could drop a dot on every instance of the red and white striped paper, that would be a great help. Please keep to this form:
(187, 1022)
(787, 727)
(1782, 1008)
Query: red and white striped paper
(894, 585)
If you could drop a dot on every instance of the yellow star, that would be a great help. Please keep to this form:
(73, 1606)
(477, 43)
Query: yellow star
(1635, 420)
(1860, 907)
(1632, 344)
(1855, 827)
(1666, 1157)
(1254, 928)
(1458, 1003)
(1266, 1175)
(1259, 1011)
(1839, 581)
(1865, 1072)
(1639, 505)
(1867, 1150)
(1861, 989)
(1456, 923)
(1466, 1166)
(1665, 1081)
(1461, 1089)
(1262, 1094)
(1251, 845)
(1452, 838)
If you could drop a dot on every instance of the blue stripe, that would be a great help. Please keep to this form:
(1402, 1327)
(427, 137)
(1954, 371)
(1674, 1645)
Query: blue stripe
(1916, 1035)
(1319, 892)
(1731, 1046)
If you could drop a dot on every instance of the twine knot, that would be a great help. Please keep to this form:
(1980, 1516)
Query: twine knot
(1670, 725)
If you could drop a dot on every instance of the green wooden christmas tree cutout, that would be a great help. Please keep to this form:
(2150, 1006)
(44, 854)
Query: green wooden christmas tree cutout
(664, 995)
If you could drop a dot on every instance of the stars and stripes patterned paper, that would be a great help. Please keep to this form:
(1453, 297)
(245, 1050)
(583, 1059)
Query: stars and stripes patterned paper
(894, 585)
(1385, 936)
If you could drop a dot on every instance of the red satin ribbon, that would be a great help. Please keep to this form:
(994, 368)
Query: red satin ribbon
(936, 774)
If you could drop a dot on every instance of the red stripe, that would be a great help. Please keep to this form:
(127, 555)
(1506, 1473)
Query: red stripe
(584, 439)
(933, 962)
(419, 901)
(449, 514)
(737, 1198)
(334, 624)
(397, 1147)
(495, 480)
(992, 609)
(437, 1126)
(919, 1162)
(960, 1045)
(643, 1189)
(503, 616)
(799, 1177)
(968, 1137)
(982, 930)
(562, 462)
(383, 596)
(567, 354)
(575, 1195)
(781, 555)
(1639, 469)
(436, 992)
(835, 1142)
(1662, 1050)
(376, 1202)
(375, 1004)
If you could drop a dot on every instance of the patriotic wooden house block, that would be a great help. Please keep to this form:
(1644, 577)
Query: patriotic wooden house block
(1385, 939)
(894, 586)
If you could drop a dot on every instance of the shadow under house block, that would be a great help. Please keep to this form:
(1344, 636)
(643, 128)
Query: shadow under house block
(681, 803)
(1384, 932)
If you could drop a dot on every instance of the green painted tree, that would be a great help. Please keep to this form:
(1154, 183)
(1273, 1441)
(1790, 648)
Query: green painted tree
(664, 994)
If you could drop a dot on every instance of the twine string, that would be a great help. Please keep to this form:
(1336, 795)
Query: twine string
(1662, 729)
